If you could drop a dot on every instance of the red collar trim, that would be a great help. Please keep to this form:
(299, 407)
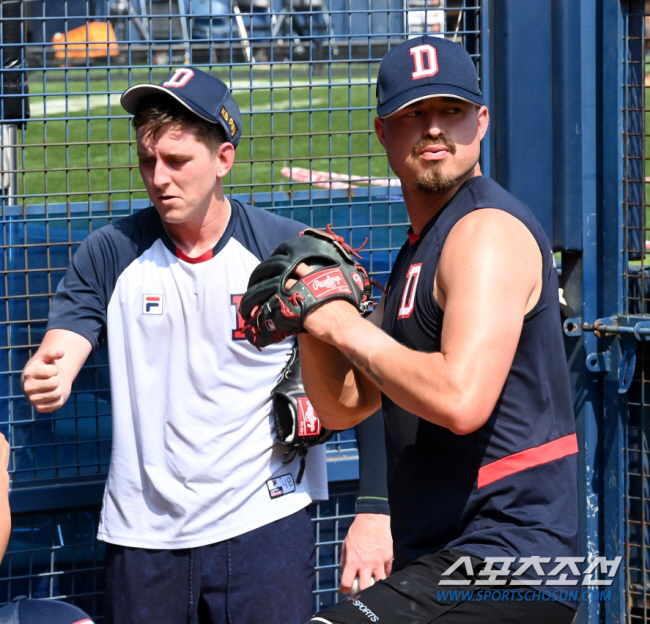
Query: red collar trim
(208, 255)
(413, 238)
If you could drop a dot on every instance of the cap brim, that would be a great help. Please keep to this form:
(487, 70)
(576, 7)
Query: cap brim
(416, 95)
(131, 97)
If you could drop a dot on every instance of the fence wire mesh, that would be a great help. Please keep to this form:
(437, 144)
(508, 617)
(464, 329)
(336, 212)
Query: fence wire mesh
(303, 73)
(636, 302)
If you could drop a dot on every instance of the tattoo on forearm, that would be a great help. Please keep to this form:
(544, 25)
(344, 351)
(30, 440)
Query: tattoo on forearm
(361, 365)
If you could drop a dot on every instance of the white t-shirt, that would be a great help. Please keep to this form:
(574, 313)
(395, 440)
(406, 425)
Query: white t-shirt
(193, 459)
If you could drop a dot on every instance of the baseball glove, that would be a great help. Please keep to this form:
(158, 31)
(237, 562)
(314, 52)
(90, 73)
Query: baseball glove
(272, 312)
(297, 425)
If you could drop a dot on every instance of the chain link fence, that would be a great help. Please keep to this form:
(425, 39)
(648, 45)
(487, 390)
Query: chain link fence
(302, 72)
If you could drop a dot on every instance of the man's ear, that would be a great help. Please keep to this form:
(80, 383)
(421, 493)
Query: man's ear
(225, 159)
(483, 121)
(379, 130)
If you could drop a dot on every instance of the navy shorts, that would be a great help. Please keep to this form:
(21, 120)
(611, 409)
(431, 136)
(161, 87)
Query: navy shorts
(414, 596)
(266, 575)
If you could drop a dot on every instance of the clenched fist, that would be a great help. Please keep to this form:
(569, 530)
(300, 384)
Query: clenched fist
(42, 382)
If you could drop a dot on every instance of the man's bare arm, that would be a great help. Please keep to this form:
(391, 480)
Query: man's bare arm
(47, 377)
(489, 276)
(5, 512)
(337, 386)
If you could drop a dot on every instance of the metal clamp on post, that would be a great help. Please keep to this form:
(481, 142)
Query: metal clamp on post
(630, 331)
(622, 326)
(599, 362)
(626, 369)
(642, 331)
(606, 325)
(573, 327)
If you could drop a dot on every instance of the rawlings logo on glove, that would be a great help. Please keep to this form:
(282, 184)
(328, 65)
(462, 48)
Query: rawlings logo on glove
(297, 426)
(273, 312)
(328, 282)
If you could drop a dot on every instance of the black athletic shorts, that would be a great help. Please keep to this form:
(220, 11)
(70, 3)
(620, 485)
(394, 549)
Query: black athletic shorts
(414, 596)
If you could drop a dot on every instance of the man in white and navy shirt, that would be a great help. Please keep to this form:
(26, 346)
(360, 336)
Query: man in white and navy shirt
(202, 519)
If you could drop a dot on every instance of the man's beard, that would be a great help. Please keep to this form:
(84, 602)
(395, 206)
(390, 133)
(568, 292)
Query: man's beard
(433, 180)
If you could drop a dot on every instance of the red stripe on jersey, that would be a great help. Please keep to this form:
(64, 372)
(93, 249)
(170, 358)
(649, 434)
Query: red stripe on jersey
(202, 258)
(562, 447)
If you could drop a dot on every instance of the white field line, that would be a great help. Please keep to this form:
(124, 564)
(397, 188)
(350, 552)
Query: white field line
(59, 105)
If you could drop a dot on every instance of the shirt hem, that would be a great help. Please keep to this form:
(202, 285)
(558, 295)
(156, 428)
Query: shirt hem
(131, 541)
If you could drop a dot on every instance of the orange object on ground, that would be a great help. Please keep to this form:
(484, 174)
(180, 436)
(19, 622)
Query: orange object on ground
(91, 40)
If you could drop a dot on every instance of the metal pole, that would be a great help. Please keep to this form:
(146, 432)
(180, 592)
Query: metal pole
(8, 169)
(14, 104)
(246, 44)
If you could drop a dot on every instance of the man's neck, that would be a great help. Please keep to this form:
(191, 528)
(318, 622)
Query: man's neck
(422, 207)
(195, 239)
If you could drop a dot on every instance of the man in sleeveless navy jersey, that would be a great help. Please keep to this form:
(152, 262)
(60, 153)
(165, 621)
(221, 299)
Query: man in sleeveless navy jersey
(204, 521)
(465, 353)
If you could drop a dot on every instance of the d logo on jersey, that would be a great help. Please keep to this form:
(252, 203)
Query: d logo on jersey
(425, 61)
(408, 294)
(238, 332)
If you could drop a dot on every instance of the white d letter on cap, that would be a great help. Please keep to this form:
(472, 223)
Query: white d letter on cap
(180, 78)
(421, 70)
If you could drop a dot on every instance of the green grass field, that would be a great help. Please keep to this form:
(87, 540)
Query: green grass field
(78, 147)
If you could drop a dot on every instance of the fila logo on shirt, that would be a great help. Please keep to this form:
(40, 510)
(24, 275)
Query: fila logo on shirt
(425, 60)
(408, 294)
(152, 304)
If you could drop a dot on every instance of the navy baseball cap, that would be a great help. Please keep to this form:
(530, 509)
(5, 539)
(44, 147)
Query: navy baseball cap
(200, 92)
(425, 67)
(27, 611)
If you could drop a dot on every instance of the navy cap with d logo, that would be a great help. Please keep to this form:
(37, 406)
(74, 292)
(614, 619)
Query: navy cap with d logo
(425, 67)
(203, 94)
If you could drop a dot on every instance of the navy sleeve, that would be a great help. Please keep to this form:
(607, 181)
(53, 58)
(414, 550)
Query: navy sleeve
(261, 231)
(82, 296)
(79, 304)
(373, 488)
